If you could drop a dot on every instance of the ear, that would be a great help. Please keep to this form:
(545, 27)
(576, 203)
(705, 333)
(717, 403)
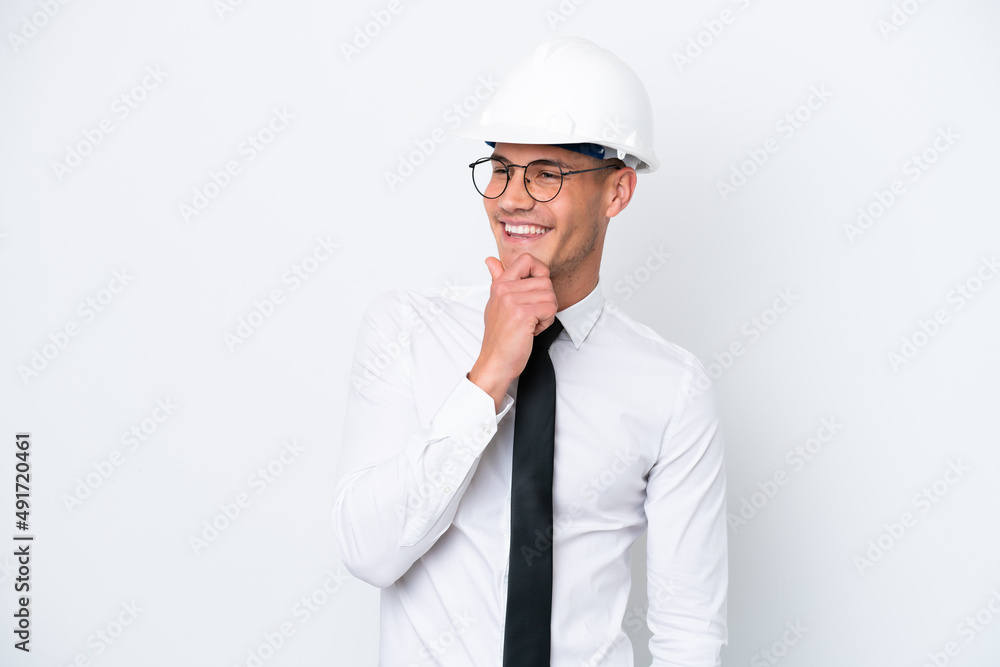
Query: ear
(618, 190)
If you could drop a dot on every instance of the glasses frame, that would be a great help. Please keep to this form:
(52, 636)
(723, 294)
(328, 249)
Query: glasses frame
(524, 176)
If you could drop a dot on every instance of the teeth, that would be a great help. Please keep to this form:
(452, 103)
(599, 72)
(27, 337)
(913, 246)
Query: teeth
(524, 229)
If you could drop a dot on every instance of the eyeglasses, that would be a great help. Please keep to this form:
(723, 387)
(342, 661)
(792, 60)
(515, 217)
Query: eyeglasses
(543, 179)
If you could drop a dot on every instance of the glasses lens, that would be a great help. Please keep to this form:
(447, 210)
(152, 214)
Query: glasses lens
(490, 177)
(544, 180)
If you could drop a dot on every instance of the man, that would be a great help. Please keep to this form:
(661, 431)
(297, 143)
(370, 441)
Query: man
(493, 489)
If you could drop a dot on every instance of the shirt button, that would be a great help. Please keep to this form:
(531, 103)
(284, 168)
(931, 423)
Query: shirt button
(447, 489)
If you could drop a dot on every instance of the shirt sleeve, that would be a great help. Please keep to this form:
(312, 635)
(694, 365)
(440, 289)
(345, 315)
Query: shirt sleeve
(686, 544)
(400, 481)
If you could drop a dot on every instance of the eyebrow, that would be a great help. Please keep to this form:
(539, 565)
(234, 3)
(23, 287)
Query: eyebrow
(559, 163)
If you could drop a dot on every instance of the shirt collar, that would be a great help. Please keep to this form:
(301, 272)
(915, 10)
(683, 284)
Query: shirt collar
(580, 318)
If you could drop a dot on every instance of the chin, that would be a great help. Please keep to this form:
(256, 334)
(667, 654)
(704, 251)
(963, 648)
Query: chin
(513, 253)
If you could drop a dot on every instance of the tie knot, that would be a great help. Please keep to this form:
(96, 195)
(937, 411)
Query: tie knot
(544, 339)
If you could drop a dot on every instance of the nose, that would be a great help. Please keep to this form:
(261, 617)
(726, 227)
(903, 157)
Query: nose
(515, 196)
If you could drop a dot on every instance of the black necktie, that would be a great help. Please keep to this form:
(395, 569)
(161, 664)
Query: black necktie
(529, 582)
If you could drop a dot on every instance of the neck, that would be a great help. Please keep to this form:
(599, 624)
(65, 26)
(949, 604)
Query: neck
(572, 289)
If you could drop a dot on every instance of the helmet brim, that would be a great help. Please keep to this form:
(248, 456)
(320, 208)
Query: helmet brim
(519, 134)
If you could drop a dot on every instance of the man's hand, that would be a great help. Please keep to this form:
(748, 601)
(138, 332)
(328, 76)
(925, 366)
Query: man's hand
(522, 304)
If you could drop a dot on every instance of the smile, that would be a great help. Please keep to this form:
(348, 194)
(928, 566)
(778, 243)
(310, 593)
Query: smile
(524, 231)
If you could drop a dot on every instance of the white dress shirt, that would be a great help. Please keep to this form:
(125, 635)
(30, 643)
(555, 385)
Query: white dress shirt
(422, 508)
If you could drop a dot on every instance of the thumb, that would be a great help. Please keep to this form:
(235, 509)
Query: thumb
(495, 267)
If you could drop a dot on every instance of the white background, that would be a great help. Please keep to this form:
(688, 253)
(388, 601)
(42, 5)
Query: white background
(65, 232)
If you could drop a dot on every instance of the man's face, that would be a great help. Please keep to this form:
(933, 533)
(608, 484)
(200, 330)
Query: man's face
(574, 222)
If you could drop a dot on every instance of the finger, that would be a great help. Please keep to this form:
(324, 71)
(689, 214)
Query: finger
(537, 306)
(532, 284)
(544, 324)
(495, 267)
(526, 265)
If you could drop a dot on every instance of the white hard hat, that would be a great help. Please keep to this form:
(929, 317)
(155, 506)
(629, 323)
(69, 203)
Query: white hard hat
(571, 91)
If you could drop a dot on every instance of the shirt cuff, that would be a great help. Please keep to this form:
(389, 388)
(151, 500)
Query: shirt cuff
(470, 411)
(467, 420)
